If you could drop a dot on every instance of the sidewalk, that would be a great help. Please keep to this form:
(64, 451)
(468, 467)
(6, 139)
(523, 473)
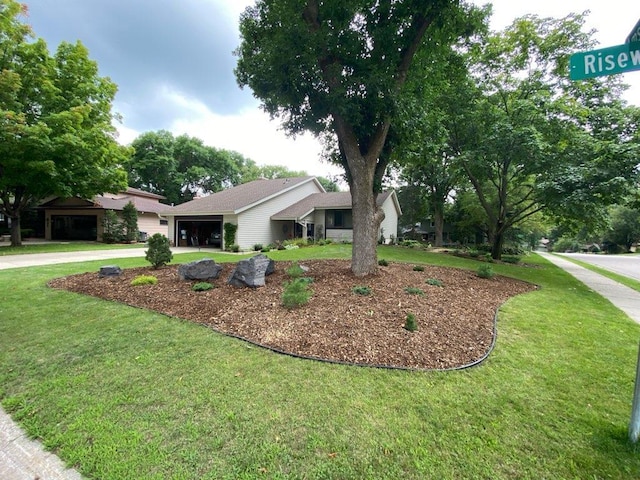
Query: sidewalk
(24, 459)
(623, 297)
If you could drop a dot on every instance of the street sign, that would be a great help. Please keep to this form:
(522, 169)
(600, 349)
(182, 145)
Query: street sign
(605, 61)
(634, 36)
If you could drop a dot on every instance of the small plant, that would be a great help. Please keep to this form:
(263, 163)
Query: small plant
(265, 249)
(234, 248)
(295, 270)
(410, 323)
(159, 253)
(257, 247)
(485, 271)
(144, 280)
(414, 291)
(383, 263)
(435, 282)
(511, 259)
(418, 268)
(361, 290)
(201, 286)
(296, 293)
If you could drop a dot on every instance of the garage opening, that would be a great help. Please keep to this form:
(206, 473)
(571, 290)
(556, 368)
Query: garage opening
(74, 227)
(200, 233)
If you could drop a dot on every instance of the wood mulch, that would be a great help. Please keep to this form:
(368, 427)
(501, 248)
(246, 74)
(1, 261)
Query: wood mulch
(455, 321)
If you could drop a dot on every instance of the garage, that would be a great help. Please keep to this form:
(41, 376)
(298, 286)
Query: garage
(74, 227)
(199, 232)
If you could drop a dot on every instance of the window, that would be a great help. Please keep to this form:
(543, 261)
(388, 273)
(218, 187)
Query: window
(339, 219)
(164, 221)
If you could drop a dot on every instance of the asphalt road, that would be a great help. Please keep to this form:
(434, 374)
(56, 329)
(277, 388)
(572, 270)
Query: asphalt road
(627, 265)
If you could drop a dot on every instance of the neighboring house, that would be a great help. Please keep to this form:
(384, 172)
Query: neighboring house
(267, 211)
(79, 219)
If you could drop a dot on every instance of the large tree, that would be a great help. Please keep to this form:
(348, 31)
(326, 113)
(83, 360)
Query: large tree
(340, 66)
(56, 136)
(531, 140)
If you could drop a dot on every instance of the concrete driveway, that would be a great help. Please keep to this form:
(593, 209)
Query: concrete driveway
(627, 265)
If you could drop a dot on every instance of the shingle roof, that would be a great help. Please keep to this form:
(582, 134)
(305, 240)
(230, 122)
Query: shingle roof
(321, 201)
(236, 199)
(143, 201)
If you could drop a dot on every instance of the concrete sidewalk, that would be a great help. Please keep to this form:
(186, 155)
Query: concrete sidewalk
(623, 297)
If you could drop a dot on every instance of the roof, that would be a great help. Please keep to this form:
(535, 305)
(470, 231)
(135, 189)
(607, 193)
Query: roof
(144, 202)
(332, 200)
(235, 200)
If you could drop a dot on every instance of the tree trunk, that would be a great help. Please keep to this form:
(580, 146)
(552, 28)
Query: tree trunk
(438, 221)
(497, 243)
(16, 235)
(366, 224)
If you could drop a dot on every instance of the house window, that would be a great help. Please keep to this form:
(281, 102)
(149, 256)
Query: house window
(164, 222)
(339, 219)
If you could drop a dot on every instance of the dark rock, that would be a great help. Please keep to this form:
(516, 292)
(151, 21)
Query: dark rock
(204, 269)
(251, 272)
(110, 271)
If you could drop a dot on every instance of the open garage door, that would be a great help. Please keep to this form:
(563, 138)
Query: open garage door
(200, 233)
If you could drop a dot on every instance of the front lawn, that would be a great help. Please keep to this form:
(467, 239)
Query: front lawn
(122, 393)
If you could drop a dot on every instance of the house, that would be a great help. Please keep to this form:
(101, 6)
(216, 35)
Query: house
(79, 219)
(266, 211)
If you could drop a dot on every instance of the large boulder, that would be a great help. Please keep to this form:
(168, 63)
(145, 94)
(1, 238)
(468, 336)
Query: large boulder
(204, 269)
(109, 271)
(251, 272)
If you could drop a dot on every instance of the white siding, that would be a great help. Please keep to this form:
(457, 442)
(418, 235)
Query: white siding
(390, 222)
(339, 234)
(150, 223)
(255, 226)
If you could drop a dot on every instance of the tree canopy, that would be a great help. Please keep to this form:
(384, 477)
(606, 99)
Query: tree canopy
(56, 136)
(340, 67)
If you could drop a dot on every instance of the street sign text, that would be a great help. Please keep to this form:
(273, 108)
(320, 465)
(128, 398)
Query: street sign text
(606, 61)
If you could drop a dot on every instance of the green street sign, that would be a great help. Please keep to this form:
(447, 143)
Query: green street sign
(634, 36)
(606, 61)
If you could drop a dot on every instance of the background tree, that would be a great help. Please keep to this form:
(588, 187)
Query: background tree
(340, 66)
(130, 222)
(625, 227)
(534, 140)
(57, 136)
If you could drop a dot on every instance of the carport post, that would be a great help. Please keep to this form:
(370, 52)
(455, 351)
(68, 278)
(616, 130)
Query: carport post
(634, 426)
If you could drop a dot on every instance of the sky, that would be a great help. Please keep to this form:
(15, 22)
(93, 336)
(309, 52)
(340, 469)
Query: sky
(173, 63)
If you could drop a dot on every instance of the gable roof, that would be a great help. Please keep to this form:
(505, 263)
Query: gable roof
(242, 197)
(144, 202)
(327, 200)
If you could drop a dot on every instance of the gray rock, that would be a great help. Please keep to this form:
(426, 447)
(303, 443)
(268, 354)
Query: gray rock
(251, 272)
(110, 271)
(204, 269)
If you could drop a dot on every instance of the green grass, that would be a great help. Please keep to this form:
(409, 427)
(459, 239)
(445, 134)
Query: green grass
(121, 393)
(64, 247)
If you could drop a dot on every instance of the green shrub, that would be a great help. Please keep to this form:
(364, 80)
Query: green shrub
(485, 271)
(234, 248)
(296, 293)
(130, 222)
(435, 282)
(295, 270)
(230, 230)
(112, 228)
(414, 291)
(383, 263)
(361, 290)
(265, 249)
(144, 280)
(257, 247)
(159, 253)
(474, 253)
(201, 286)
(411, 243)
(410, 323)
(418, 268)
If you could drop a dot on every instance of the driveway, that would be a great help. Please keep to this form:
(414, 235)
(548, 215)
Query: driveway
(627, 265)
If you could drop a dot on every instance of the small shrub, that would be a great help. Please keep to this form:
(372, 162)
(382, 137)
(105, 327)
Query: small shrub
(234, 248)
(201, 286)
(159, 253)
(257, 247)
(411, 243)
(414, 291)
(361, 290)
(265, 249)
(410, 323)
(383, 263)
(144, 280)
(485, 271)
(435, 282)
(296, 293)
(295, 270)
(418, 268)
(474, 253)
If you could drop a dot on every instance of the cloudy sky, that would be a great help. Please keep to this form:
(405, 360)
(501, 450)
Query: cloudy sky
(172, 61)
